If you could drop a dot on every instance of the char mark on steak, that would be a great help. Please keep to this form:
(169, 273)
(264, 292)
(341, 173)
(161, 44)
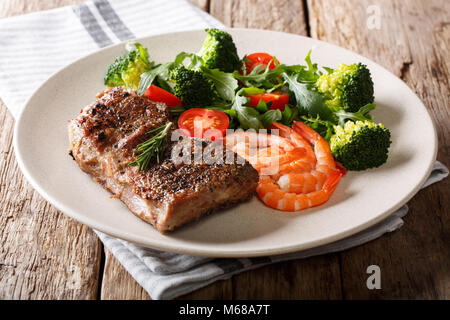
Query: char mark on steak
(103, 138)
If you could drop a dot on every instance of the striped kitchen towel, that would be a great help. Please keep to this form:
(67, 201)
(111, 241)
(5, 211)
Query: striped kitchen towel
(34, 46)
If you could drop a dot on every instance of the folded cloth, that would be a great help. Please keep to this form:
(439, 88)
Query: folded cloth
(166, 275)
(34, 46)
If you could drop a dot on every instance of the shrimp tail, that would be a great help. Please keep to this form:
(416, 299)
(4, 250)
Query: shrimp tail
(284, 130)
(332, 181)
(306, 132)
(341, 168)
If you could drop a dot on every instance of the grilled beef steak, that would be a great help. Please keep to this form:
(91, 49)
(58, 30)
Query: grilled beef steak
(102, 141)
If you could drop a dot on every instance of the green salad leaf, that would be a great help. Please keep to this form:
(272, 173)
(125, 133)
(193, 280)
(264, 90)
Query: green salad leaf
(289, 114)
(308, 101)
(271, 116)
(249, 118)
(224, 82)
(361, 115)
(147, 78)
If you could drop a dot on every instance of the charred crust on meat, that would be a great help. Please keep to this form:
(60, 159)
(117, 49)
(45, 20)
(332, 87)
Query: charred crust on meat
(168, 179)
(103, 140)
(101, 136)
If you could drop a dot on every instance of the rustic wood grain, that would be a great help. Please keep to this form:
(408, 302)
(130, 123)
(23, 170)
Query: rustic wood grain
(413, 42)
(117, 283)
(43, 254)
(278, 15)
(11, 8)
(315, 278)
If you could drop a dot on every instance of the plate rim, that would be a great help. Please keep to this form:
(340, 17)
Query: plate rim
(228, 253)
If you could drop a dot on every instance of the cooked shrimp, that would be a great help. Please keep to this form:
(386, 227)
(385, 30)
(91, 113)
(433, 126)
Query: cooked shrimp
(305, 182)
(305, 163)
(325, 160)
(257, 141)
(264, 151)
(276, 157)
(297, 170)
(304, 176)
(302, 182)
(273, 196)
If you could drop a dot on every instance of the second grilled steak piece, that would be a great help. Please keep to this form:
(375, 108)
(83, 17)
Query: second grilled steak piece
(103, 138)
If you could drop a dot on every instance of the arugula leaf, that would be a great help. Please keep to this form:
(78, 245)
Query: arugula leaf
(275, 87)
(322, 127)
(196, 62)
(262, 106)
(362, 114)
(224, 82)
(329, 70)
(249, 118)
(270, 116)
(289, 115)
(308, 101)
(263, 77)
(161, 72)
(162, 83)
(312, 67)
(253, 90)
(148, 77)
(260, 77)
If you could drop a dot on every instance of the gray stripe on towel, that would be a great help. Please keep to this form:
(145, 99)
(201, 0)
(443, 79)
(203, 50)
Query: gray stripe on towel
(91, 25)
(228, 265)
(113, 20)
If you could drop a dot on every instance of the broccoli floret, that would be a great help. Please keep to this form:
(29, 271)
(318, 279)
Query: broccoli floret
(192, 87)
(126, 70)
(219, 51)
(348, 87)
(360, 145)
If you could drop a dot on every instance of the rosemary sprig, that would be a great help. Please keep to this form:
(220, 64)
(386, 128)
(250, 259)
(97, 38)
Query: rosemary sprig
(151, 148)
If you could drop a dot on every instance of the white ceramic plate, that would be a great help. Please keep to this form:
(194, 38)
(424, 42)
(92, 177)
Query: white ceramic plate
(250, 229)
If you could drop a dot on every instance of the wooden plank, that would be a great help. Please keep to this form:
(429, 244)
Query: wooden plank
(43, 254)
(315, 278)
(413, 42)
(277, 15)
(16, 7)
(117, 283)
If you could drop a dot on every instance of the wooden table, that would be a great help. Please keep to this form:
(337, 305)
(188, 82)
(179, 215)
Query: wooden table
(46, 255)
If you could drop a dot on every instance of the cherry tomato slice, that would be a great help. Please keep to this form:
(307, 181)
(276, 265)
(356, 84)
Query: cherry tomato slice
(278, 98)
(160, 95)
(258, 58)
(204, 123)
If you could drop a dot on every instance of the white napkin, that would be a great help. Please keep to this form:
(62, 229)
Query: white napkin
(34, 46)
